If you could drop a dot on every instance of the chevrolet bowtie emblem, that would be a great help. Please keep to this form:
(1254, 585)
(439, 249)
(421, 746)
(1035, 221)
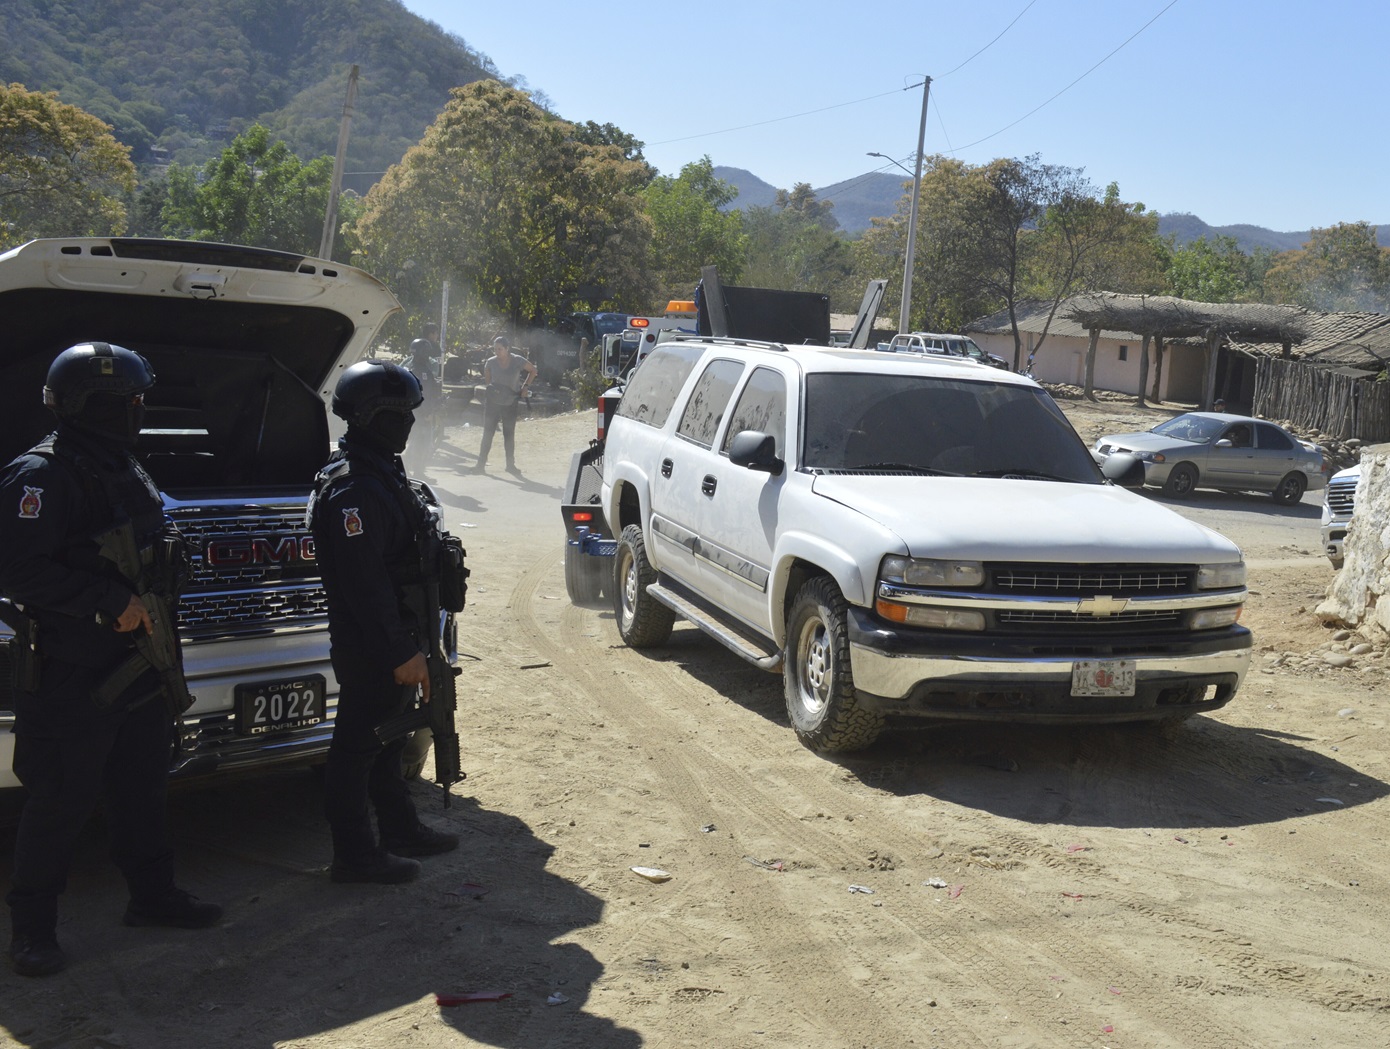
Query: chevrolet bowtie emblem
(1102, 605)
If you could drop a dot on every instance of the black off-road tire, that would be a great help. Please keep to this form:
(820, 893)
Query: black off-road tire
(1290, 489)
(822, 703)
(1182, 481)
(643, 621)
(417, 749)
(584, 575)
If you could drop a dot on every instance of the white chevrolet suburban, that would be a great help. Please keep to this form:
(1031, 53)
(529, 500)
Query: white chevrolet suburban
(246, 346)
(901, 535)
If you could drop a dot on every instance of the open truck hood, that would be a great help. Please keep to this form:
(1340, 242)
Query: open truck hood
(246, 345)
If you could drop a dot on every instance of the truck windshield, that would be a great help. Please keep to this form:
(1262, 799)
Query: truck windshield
(953, 426)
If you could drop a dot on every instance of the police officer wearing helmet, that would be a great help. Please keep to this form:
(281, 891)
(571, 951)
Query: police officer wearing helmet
(364, 516)
(86, 730)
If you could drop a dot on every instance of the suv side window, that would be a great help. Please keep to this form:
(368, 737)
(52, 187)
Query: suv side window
(761, 406)
(708, 400)
(656, 383)
(1272, 438)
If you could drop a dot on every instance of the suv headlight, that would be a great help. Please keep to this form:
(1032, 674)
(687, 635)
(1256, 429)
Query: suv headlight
(1224, 576)
(918, 571)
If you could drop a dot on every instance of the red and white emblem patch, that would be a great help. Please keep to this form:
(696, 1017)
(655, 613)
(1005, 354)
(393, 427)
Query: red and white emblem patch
(30, 503)
(352, 521)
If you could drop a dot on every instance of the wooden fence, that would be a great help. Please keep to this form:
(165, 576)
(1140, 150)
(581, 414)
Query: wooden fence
(1319, 399)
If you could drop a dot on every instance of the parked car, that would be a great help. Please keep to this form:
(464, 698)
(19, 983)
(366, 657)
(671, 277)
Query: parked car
(902, 535)
(1231, 453)
(951, 345)
(246, 345)
(1338, 502)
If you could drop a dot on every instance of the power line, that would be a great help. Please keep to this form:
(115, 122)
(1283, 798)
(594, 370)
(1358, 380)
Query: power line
(1078, 80)
(774, 120)
(982, 50)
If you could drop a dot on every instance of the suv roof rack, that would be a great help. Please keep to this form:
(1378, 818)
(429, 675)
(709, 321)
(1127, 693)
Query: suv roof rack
(727, 340)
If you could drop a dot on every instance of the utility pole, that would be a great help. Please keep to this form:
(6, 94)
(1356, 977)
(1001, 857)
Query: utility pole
(330, 218)
(912, 215)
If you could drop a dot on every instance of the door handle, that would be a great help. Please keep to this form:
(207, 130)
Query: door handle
(707, 485)
(665, 467)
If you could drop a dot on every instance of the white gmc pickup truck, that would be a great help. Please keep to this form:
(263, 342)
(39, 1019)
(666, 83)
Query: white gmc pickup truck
(246, 345)
(908, 535)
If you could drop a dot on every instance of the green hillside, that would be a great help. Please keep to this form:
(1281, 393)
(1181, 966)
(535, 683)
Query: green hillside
(178, 80)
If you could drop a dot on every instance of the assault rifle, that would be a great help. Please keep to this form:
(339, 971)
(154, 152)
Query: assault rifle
(156, 575)
(440, 590)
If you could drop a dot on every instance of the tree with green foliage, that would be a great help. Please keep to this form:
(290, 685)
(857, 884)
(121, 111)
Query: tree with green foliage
(793, 245)
(62, 173)
(1205, 270)
(506, 201)
(257, 193)
(1341, 267)
(690, 230)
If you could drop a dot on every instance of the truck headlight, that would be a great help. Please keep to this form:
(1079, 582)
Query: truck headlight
(1211, 618)
(918, 571)
(1223, 576)
(931, 616)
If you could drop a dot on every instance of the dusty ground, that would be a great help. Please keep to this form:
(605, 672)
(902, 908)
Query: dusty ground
(1229, 887)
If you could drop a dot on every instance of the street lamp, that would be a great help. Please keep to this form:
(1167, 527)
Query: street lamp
(885, 156)
(912, 214)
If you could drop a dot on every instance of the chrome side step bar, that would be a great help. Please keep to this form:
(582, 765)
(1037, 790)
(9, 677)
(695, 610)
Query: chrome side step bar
(758, 652)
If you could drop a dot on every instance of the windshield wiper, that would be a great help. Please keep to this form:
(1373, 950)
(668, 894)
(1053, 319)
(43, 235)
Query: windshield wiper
(906, 467)
(1026, 473)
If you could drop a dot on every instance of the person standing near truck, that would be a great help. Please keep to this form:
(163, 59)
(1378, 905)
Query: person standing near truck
(508, 377)
(423, 362)
(365, 518)
(92, 721)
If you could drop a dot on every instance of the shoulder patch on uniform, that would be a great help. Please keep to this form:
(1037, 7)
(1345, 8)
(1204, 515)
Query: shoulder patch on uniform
(352, 521)
(30, 503)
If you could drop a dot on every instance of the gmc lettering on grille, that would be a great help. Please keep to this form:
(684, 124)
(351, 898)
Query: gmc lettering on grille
(238, 551)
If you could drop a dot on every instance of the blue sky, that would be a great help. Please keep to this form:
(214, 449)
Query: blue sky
(1269, 112)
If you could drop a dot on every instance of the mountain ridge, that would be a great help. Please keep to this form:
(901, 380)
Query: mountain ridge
(874, 194)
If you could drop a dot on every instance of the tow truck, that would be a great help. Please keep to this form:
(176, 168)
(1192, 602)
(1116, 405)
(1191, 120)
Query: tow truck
(718, 309)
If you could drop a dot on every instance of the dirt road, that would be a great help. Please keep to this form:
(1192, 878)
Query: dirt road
(989, 887)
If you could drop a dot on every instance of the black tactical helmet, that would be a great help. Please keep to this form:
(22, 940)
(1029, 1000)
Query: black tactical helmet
(369, 387)
(94, 367)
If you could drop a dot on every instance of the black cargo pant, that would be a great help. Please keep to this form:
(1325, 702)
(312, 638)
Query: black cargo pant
(362, 773)
(70, 755)
(506, 415)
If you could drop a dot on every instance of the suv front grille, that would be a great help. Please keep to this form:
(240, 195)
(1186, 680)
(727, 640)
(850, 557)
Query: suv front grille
(1089, 580)
(252, 568)
(1341, 497)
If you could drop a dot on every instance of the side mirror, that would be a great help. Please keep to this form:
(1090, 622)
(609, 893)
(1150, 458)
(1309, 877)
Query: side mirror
(612, 356)
(1124, 470)
(1225, 442)
(756, 451)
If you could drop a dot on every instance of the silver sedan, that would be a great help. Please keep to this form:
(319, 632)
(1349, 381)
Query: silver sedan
(1233, 453)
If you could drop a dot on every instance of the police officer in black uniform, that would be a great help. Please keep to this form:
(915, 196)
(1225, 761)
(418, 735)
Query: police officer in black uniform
(365, 518)
(72, 748)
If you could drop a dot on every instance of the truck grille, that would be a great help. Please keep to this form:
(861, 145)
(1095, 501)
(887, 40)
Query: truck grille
(1162, 618)
(1341, 497)
(1089, 580)
(252, 568)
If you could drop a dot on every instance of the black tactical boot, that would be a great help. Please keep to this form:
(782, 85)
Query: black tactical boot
(36, 955)
(176, 909)
(380, 868)
(422, 841)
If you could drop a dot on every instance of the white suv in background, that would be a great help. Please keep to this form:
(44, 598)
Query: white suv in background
(1338, 502)
(903, 535)
(951, 345)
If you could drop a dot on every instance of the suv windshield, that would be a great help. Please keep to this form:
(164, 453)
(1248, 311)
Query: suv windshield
(857, 421)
